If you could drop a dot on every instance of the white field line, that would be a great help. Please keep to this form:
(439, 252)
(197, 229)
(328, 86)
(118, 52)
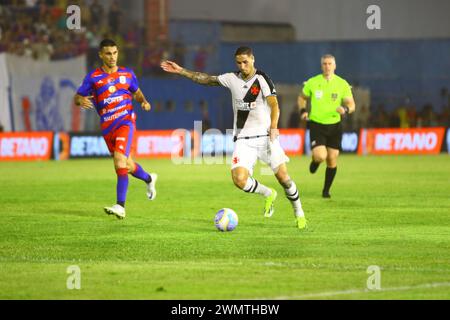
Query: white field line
(356, 291)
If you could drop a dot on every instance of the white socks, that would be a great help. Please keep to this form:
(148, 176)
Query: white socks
(254, 186)
(294, 197)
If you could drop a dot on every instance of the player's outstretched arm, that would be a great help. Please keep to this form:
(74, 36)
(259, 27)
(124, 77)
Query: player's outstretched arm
(199, 77)
(84, 102)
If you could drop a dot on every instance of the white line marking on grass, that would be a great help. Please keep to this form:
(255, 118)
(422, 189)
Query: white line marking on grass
(356, 291)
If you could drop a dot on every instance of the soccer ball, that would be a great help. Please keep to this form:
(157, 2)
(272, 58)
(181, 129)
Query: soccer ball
(226, 220)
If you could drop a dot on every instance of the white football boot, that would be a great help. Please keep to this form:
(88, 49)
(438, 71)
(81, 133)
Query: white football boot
(116, 210)
(151, 187)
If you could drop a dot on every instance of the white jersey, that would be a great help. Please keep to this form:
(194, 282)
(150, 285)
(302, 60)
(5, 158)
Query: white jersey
(251, 111)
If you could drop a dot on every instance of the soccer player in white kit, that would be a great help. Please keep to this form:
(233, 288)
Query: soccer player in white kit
(255, 128)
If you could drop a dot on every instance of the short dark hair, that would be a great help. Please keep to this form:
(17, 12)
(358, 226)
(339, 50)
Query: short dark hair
(107, 43)
(243, 50)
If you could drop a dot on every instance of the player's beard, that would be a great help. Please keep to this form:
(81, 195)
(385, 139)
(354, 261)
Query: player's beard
(247, 73)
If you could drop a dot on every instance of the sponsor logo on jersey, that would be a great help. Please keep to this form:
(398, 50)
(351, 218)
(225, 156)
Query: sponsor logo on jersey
(115, 116)
(244, 106)
(318, 94)
(106, 110)
(110, 100)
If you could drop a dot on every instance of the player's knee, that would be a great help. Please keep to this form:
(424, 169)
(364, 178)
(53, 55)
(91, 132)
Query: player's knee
(332, 160)
(120, 161)
(131, 166)
(120, 164)
(319, 157)
(239, 180)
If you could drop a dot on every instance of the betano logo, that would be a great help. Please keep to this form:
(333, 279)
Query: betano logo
(406, 141)
(26, 146)
(401, 141)
(159, 144)
(12, 147)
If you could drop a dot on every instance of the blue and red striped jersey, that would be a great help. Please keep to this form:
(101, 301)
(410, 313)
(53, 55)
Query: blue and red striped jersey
(113, 95)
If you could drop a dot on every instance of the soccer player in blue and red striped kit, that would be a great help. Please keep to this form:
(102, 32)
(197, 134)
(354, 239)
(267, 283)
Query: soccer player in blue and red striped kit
(110, 90)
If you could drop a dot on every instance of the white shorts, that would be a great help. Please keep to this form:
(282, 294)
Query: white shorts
(248, 151)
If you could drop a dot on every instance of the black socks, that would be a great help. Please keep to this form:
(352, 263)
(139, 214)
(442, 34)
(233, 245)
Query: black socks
(329, 177)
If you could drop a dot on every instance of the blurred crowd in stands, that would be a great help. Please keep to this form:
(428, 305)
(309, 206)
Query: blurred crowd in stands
(37, 29)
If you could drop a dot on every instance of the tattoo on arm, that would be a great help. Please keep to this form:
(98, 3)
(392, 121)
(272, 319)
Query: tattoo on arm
(201, 78)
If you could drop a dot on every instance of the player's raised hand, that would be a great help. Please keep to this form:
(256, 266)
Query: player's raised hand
(86, 102)
(146, 106)
(170, 66)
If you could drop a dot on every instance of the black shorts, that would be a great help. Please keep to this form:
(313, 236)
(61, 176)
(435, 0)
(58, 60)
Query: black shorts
(329, 135)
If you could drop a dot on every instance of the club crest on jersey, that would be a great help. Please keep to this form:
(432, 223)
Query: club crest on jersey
(255, 89)
(122, 79)
(334, 96)
(112, 89)
(110, 80)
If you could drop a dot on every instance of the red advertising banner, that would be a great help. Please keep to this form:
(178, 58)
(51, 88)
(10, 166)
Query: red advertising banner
(401, 141)
(20, 146)
(159, 143)
(292, 141)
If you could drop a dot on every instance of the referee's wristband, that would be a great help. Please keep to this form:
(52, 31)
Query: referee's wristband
(347, 110)
(302, 111)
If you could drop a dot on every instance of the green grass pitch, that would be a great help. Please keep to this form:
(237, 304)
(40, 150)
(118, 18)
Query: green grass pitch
(392, 212)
